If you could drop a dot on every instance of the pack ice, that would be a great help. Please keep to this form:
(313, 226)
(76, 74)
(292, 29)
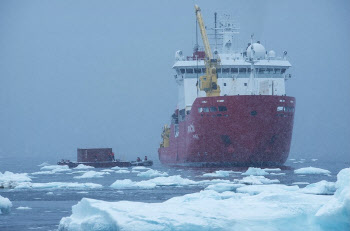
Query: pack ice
(267, 209)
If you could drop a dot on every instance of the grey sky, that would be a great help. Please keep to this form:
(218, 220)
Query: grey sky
(98, 73)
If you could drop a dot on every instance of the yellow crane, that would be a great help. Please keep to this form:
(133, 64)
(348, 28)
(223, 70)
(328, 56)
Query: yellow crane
(209, 81)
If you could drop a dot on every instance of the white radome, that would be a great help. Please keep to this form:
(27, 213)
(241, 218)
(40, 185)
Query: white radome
(272, 54)
(256, 51)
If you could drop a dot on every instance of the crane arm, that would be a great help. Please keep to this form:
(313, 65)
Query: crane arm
(208, 53)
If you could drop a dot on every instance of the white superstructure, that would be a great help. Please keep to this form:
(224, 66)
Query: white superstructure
(253, 71)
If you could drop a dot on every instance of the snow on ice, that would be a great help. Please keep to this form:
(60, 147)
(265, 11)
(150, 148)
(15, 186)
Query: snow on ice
(312, 170)
(255, 172)
(11, 180)
(5, 205)
(152, 173)
(92, 174)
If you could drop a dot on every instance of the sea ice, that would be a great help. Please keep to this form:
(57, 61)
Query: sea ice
(11, 180)
(312, 170)
(300, 183)
(56, 167)
(222, 187)
(152, 173)
(206, 210)
(5, 205)
(314, 159)
(140, 168)
(107, 170)
(122, 171)
(92, 174)
(118, 168)
(82, 166)
(57, 185)
(273, 188)
(257, 180)
(335, 214)
(152, 183)
(219, 173)
(23, 208)
(255, 172)
(323, 188)
(272, 169)
(129, 184)
(43, 164)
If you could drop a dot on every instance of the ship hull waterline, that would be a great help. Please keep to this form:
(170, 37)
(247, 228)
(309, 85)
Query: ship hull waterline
(256, 130)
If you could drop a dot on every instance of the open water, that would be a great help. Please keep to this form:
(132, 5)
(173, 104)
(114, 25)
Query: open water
(48, 206)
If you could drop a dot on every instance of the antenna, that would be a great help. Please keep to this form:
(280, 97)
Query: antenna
(216, 44)
(196, 47)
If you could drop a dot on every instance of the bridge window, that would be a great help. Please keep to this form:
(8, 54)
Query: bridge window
(234, 70)
(277, 70)
(283, 70)
(203, 70)
(280, 108)
(182, 71)
(200, 109)
(218, 70)
(243, 70)
(189, 70)
(269, 70)
(261, 70)
(197, 70)
(222, 108)
(205, 109)
(249, 70)
(245, 84)
(213, 109)
(225, 70)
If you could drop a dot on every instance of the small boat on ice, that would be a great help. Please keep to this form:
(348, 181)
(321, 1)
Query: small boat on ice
(102, 158)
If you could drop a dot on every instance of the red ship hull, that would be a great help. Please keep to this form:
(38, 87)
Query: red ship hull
(255, 130)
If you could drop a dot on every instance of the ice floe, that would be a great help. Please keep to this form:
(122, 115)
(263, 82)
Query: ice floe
(176, 180)
(23, 208)
(272, 169)
(323, 187)
(152, 173)
(255, 172)
(82, 166)
(314, 159)
(273, 188)
(122, 171)
(257, 180)
(334, 214)
(312, 170)
(219, 173)
(5, 205)
(140, 168)
(300, 183)
(222, 187)
(92, 174)
(52, 169)
(11, 180)
(58, 185)
(43, 164)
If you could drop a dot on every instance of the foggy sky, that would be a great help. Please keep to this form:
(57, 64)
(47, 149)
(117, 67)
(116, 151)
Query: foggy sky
(80, 74)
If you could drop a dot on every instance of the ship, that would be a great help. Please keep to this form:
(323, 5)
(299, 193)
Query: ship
(232, 105)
